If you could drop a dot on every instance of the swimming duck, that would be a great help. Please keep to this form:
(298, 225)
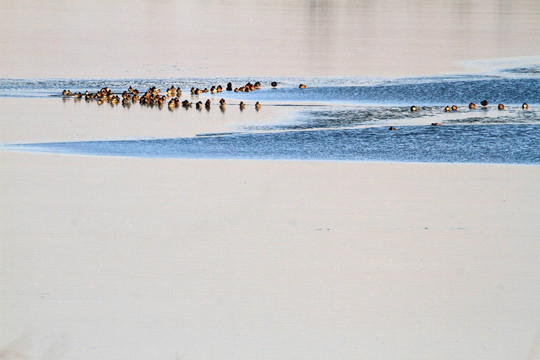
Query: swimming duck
(301, 86)
(66, 93)
(447, 108)
(484, 103)
(242, 105)
(413, 108)
(454, 108)
(222, 102)
(207, 104)
(500, 107)
(257, 106)
(525, 106)
(472, 106)
(391, 128)
(198, 105)
(436, 124)
(274, 84)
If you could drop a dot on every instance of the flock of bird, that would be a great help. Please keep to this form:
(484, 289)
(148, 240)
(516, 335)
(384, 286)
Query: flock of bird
(472, 106)
(154, 98)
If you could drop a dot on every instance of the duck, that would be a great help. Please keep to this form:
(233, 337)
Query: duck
(447, 108)
(472, 106)
(222, 102)
(242, 105)
(229, 86)
(273, 83)
(257, 106)
(207, 104)
(391, 128)
(198, 105)
(525, 106)
(436, 124)
(484, 103)
(66, 92)
(500, 107)
(413, 108)
(302, 86)
(454, 107)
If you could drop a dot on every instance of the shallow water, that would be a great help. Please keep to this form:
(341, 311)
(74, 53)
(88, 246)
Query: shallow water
(332, 119)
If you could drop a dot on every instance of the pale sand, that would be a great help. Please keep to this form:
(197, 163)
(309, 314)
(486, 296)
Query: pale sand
(24, 120)
(109, 258)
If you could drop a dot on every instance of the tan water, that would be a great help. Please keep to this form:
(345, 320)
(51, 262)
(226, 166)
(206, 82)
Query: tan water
(260, 38)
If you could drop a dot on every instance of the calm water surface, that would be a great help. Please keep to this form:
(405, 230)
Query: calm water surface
(141, 38)
(337, 119)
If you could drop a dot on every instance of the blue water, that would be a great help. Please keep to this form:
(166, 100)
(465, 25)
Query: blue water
(342, 119)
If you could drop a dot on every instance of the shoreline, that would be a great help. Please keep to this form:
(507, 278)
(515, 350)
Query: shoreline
(315, 161)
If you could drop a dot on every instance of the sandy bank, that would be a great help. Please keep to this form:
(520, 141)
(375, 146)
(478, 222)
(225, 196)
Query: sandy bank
(129, 258)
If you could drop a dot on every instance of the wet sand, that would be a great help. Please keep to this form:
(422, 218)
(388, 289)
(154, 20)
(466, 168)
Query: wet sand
(131, 258)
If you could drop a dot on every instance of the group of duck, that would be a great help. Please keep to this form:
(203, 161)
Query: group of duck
(153, 97)
(472, 106)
